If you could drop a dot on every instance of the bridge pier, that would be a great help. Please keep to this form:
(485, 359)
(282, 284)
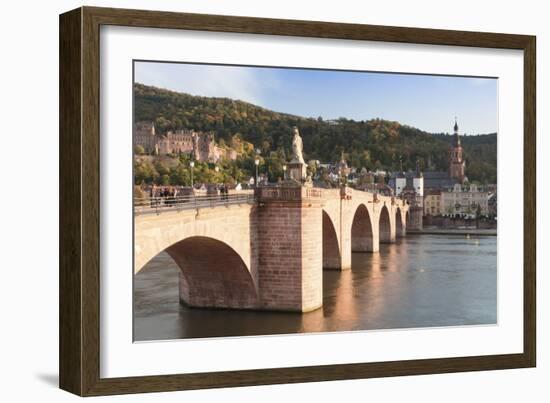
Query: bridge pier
(290, 275)
(415, 218)
(400, 225)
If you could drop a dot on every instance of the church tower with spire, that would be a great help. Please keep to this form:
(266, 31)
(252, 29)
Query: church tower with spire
(457, 165)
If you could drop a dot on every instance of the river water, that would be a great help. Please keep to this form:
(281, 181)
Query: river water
(420, 281)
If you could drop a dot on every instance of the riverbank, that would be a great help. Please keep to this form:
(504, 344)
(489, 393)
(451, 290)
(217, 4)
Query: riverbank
(451, 231)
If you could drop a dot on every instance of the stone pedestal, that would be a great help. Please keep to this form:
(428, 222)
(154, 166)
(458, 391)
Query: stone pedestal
(297, 171)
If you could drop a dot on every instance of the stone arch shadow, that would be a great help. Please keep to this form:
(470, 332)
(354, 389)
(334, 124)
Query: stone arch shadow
(399, 224)
(212, 274)
(384, 225)
(362, 234)
(331, 246)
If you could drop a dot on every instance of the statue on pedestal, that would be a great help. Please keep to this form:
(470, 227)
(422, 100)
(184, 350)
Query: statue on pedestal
(297, 165)
(297, 147)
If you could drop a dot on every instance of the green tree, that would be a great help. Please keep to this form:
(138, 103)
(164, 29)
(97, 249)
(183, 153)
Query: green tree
(180, 176)
(161, 168)
(144, 172)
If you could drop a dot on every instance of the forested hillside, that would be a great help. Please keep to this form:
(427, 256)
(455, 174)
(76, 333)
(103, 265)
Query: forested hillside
(372, 144)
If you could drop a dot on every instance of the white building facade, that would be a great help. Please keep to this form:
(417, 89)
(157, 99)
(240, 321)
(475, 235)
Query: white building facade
(465, 201)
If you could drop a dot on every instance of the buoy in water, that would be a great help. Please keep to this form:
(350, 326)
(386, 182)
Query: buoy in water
(467, 236)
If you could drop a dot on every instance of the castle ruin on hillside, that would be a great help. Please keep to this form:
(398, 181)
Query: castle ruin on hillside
(201, 145)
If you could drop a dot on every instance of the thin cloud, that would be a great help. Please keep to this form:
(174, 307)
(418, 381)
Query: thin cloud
(204, 80)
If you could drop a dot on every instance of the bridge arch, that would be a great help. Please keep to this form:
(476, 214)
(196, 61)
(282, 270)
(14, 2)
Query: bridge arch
(212, 274)
(384, 225)
(331, 248)
(232, 225)
(362, 235)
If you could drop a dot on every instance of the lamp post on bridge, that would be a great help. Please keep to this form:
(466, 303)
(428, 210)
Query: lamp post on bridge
(192, 165)
(284, 172)
(256, 162)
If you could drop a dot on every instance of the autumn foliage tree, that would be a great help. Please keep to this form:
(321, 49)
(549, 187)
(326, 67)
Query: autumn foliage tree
(371, 144)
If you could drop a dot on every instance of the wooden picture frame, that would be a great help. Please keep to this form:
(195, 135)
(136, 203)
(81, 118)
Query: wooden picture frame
(80, 198)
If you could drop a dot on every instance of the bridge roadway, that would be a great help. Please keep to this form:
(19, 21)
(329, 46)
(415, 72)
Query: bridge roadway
(266, 250)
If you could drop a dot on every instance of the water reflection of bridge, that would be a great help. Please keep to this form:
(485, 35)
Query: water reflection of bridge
(265, 250)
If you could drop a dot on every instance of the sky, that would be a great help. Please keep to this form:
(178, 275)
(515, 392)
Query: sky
(427, 102)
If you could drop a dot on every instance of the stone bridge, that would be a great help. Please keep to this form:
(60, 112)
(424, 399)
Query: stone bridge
(268, 252)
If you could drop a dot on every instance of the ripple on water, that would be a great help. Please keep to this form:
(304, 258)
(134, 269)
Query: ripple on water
(420, 281)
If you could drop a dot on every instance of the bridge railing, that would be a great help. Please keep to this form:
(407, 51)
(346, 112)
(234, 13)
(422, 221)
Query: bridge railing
(159, 204)
(288, 193)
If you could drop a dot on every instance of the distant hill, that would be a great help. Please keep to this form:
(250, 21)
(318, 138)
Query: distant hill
(374, 143)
